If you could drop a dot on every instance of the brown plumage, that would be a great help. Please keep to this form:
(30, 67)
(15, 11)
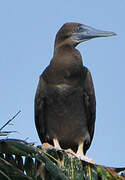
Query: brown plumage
(65, 105)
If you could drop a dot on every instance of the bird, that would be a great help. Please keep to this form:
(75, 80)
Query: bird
(65, 102)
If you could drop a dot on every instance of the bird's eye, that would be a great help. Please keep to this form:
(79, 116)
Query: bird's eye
(80, 29)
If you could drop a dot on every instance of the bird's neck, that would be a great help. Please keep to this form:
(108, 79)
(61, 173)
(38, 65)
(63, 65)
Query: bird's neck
(65, 66)
(67, 57)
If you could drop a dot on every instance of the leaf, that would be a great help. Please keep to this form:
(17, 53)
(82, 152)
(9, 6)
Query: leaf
(20, 160)
(11, 171)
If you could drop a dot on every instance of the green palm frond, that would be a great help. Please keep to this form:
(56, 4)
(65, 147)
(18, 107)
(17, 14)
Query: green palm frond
(20, 160)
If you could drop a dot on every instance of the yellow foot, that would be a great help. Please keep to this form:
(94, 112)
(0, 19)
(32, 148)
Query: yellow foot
(85, 158)
(80, 155)
(46, 146)
(70, 151)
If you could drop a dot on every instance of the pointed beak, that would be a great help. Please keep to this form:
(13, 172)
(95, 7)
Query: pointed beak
(84, 33)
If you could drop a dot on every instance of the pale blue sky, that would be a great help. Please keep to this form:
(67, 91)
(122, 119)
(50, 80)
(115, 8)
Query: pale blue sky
(27, 34)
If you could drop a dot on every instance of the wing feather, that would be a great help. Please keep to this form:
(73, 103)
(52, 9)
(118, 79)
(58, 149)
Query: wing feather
(90, 103)
(40, 109)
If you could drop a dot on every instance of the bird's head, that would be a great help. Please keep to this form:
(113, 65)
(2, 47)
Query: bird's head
(72, 34)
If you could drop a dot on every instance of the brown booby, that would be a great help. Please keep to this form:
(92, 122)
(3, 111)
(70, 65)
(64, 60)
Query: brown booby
(65, 104)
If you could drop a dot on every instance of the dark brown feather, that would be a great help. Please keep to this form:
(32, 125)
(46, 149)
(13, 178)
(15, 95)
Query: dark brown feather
(65, 106)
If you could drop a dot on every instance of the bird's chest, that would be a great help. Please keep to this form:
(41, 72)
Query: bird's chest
(63, 95)
(63, 90)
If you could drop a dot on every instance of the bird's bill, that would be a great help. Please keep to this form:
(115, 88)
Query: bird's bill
(85, 33)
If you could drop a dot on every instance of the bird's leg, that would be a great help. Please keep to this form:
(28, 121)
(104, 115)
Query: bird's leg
(56, 144)
(79, 152)
(81, 155)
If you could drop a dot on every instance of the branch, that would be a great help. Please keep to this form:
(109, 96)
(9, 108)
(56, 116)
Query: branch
(5, 133)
